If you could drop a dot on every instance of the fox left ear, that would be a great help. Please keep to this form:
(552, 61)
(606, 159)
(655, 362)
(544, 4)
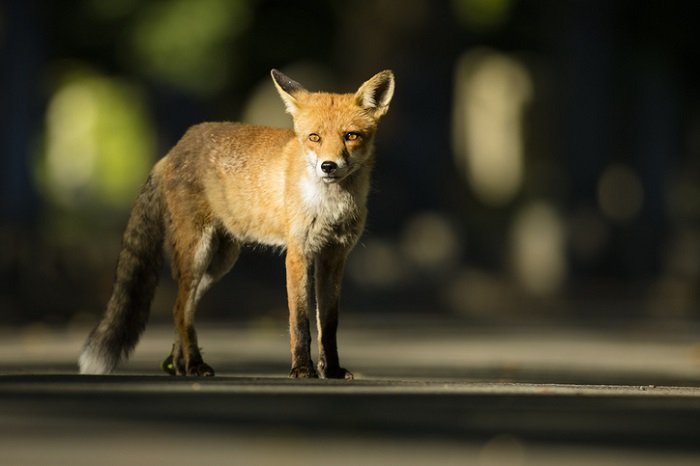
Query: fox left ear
(376, 93)
(287, 89)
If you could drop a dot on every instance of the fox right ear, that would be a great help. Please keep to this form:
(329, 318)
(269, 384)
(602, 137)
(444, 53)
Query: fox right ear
(287, 88)
(376, 93)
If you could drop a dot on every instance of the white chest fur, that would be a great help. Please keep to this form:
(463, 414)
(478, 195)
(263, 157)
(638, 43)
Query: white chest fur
(332, 213)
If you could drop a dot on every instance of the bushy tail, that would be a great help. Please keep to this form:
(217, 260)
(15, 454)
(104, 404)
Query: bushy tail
(138, 270)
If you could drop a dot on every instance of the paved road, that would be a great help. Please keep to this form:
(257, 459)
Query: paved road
(441, 395)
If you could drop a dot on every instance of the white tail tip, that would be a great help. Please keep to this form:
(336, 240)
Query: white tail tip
(91, 363)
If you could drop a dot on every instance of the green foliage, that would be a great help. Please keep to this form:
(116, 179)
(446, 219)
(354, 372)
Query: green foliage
(98, 144)
(482, 15)
(187, 43)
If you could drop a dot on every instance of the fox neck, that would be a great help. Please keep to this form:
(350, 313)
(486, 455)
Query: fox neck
(335, 212)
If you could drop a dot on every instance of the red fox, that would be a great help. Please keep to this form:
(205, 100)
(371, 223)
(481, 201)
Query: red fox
(224, 185)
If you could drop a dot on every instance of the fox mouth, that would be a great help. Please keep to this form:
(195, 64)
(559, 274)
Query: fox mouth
(338, 176)
(328, 179)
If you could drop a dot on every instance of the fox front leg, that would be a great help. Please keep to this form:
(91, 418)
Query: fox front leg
(298, 297)
(329, 274)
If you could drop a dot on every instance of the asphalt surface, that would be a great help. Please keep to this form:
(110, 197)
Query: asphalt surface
(425, 393)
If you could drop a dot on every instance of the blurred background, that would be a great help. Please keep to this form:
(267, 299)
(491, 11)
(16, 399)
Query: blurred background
(540, 161)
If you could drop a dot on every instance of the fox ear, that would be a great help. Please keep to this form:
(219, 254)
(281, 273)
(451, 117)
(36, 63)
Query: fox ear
(376, 93)
(287, 88)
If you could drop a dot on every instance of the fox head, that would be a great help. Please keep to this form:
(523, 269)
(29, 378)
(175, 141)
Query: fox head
(336, 131)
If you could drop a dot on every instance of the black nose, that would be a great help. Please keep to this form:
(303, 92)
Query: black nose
(329, 167)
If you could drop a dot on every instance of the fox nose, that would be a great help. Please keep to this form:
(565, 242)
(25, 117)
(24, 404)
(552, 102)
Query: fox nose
(329, 167)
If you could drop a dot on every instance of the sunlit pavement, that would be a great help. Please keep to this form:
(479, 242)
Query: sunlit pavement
(426, 392)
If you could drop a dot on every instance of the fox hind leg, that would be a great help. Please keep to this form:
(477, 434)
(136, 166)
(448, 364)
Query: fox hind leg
(213, 255)
(224, 254)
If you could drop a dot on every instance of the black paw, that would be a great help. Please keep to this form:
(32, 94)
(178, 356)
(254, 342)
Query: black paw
(303, 372)
(200, 369)
(335, 373)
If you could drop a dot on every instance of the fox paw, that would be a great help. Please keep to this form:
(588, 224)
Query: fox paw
(200, 369)
(335, 373)
(175, 364)
(303, 372)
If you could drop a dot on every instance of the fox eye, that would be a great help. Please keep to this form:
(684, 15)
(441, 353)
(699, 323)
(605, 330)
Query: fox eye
(352, 136)
(313, 137)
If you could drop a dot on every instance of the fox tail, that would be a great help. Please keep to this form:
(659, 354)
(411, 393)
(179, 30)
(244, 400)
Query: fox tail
(138, 270)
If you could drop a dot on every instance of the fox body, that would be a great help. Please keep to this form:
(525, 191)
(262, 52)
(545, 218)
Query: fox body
(224, 185)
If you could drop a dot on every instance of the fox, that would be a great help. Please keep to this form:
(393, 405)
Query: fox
(226, 185)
